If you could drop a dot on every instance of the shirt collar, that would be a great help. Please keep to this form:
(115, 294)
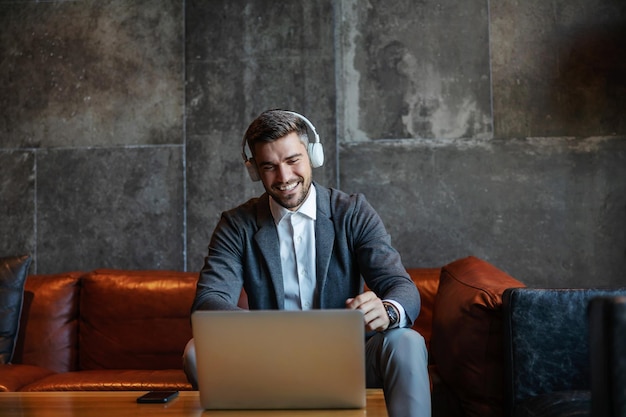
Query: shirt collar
(308, 208)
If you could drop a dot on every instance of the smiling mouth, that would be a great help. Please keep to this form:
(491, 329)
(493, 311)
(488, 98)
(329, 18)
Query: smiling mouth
(285, 188)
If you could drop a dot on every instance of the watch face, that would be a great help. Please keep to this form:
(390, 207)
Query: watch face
(391, 312)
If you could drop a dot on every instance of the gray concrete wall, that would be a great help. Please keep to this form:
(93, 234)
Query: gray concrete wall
(495, 129)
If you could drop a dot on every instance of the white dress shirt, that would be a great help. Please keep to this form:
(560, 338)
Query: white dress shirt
(296, 234)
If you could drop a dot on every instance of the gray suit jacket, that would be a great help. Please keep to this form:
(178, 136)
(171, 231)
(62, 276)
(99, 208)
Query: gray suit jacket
(351, 244)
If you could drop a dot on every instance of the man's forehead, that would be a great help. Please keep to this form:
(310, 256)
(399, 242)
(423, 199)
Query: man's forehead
(290, 140)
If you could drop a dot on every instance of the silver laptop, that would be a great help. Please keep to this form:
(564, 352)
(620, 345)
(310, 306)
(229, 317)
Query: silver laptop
(311, 359)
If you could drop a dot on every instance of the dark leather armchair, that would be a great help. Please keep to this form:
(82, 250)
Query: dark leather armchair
(546, 340)
(607, 331)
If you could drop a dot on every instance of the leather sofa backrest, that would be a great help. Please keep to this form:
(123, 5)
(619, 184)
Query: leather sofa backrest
(135, 319)
(122, 319)
(546, 341)
(48, 332)
(113, 319)
(427, 282)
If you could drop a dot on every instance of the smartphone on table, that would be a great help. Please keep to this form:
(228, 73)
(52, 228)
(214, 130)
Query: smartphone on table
(157, 397)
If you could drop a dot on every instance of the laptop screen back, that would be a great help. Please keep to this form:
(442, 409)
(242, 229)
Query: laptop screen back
(312, 359)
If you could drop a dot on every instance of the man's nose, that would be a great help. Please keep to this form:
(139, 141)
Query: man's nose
(283, 172)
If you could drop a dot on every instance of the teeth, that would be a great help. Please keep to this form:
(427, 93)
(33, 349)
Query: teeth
(288, 187)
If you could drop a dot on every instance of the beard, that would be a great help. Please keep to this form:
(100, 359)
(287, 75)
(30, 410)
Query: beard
(290, 200)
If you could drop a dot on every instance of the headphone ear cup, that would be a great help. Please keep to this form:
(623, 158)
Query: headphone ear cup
(253, 172)
(316, 154)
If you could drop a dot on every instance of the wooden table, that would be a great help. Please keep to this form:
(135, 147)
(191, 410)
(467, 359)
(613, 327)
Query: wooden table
(123, 404)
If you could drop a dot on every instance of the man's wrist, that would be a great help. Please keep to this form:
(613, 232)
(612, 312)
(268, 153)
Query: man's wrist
(393, 314)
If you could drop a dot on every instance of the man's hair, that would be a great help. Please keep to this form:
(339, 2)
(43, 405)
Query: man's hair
(272, 125)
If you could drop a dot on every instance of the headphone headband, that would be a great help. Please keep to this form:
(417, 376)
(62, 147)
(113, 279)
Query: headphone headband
(308, 123)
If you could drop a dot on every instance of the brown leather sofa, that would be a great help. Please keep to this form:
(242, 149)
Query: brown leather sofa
(126, 330)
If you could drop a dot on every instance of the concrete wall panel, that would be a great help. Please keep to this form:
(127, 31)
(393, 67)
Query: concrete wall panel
(17, 202)
(244, 58)
(559, 68)
(488, 128)
(415, 70)
(90, 73)
(110, 208)
(551, 213)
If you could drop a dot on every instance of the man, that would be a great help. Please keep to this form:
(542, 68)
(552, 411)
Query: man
(301, 246)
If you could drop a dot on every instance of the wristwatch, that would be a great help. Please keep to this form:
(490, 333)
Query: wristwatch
(392, 312)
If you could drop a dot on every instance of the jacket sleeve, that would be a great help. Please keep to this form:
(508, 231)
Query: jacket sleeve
(221, 278)
(379, 262)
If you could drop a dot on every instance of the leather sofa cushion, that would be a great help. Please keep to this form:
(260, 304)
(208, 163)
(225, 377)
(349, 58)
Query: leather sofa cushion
(135, 319)
(113, 380)
(15, 377)
(48, 335)
(466, 341)
(557, 404)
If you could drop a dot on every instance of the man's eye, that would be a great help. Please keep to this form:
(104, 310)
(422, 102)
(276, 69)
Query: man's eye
(293, 161)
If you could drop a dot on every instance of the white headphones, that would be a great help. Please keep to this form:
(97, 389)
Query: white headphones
(315, 150)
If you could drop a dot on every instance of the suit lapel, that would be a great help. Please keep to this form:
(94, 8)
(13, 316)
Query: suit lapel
(266, 238)
(324, 239)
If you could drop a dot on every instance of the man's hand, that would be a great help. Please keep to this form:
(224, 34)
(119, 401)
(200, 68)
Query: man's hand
(374, 312)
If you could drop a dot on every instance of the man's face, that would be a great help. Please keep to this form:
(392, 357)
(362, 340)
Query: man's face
(285, 170)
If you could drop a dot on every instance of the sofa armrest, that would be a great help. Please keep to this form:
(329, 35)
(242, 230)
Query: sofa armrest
(14, 377)
(546, 341)
(607, 327)
(466, 342)
(48, 336)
